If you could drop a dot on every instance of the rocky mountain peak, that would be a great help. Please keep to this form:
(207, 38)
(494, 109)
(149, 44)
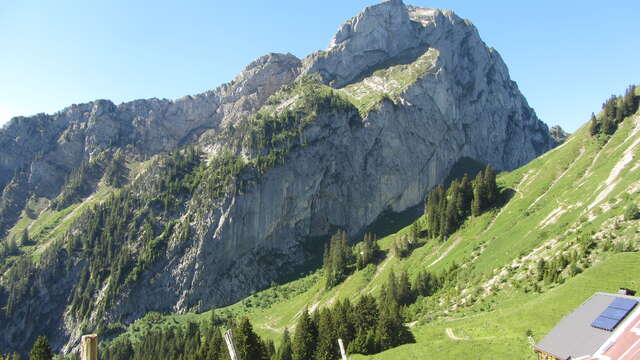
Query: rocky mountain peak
(388, 33)
(382, 23)
(264, 73)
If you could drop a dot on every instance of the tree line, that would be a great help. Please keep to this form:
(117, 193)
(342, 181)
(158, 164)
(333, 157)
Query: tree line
(614, 111)
(446, 209)
(41, 350)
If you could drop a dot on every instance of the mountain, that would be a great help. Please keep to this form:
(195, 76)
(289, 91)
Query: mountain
(185, 205)
(562, 231)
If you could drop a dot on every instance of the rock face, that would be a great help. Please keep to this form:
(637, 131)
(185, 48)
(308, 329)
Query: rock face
(353, 167)
(558, 134)
(49, 147)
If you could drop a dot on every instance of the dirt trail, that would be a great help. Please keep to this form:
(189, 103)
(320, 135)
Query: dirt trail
(270, 328)
(452, 336)
(411, 324)
(446, 252)
(555, 181)
(379, 270)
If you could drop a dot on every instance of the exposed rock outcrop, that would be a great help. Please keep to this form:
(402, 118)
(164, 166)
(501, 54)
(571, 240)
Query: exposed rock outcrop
(48, 147)
(558, 134)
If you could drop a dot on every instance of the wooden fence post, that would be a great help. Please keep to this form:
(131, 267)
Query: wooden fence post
(89, 347)
(228, 338)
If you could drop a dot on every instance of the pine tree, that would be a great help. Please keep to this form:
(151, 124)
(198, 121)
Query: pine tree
(305, 338)
(392, 289)
(337, 257)
(609, 126)
(248, 343)
(541, 269)
(477, 204)
(41, 349)
(24, 239)
(12, 247)
(425, 284)
(270, 347)
(343, 318)
(610, 107)
(327, 266)
(465, 198)
(284, 351)
(594, 125)
(363, 343)
(632, 212)
(450, 221)
(414, 232)
(326, 346)
(217, 348)
(405, 295)
(390, 331)
(491, 188)
(365, 313)
(432, 212)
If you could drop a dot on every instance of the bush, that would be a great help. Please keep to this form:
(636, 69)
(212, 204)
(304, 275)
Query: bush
(632, 212)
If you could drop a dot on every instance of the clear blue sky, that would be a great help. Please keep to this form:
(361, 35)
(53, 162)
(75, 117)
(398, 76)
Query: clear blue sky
(567, 56)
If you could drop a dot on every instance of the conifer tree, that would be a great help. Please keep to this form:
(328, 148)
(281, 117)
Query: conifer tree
(270, 347)
(362, 344)
(390, 331)
(405, 296)
(477, 204)
(248, 343)
(541, 269)
(284, 351)
(632, 212)
(365, 313)
(343, 318)
(305, 338)
(433, 210)
(491, 188)
(465, 198)
(594, 125)
(41, 349)
(24, 239)
(326, 346)
(609, 126)
(425, 284)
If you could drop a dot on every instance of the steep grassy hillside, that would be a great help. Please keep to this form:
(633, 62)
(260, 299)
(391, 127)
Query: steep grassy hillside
(566, 207)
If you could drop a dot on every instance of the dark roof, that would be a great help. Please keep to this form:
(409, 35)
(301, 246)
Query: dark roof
(574, 336)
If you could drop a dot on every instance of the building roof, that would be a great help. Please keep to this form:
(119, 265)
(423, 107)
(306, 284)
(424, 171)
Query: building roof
(574, 337)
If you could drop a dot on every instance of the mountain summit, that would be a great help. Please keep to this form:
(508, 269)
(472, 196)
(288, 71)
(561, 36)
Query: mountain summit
(184, 205)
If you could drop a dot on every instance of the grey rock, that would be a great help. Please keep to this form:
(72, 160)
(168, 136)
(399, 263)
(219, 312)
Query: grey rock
(558, 134)
(51, 146)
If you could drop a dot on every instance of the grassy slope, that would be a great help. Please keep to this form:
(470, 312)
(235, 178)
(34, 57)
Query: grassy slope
(549, 209)
(502, 334)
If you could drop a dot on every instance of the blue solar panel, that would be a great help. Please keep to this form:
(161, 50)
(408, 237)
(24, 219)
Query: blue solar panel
(624, 304)
(613, 313)
(605, 323)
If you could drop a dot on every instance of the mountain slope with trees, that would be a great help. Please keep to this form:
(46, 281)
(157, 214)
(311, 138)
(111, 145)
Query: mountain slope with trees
(564, 227)
(109, 212)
